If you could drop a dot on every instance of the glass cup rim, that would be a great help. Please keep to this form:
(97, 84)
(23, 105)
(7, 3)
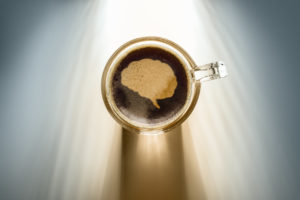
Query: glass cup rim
(119, 54)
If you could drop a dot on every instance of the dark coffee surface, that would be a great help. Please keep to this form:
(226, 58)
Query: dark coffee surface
(139, 108)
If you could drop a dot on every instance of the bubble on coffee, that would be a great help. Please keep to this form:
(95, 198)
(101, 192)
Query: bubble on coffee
(149, 85)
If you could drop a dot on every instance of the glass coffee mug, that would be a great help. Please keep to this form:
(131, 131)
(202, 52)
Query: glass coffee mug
(151, 85)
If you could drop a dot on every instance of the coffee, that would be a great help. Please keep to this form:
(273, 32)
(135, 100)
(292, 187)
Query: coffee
(149, 85)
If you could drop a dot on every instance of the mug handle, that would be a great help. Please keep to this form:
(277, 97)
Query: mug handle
(210, 71)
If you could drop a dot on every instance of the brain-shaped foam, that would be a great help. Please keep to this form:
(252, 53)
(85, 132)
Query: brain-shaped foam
(151, 79)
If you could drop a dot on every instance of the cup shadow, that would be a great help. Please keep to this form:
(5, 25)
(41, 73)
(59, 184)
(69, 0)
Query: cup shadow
(153, 167)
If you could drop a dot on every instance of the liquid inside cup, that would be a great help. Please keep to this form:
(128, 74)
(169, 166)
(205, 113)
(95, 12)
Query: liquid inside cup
(150, 85)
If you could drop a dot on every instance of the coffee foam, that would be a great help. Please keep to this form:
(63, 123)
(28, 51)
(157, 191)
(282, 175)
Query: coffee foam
(151, 79)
